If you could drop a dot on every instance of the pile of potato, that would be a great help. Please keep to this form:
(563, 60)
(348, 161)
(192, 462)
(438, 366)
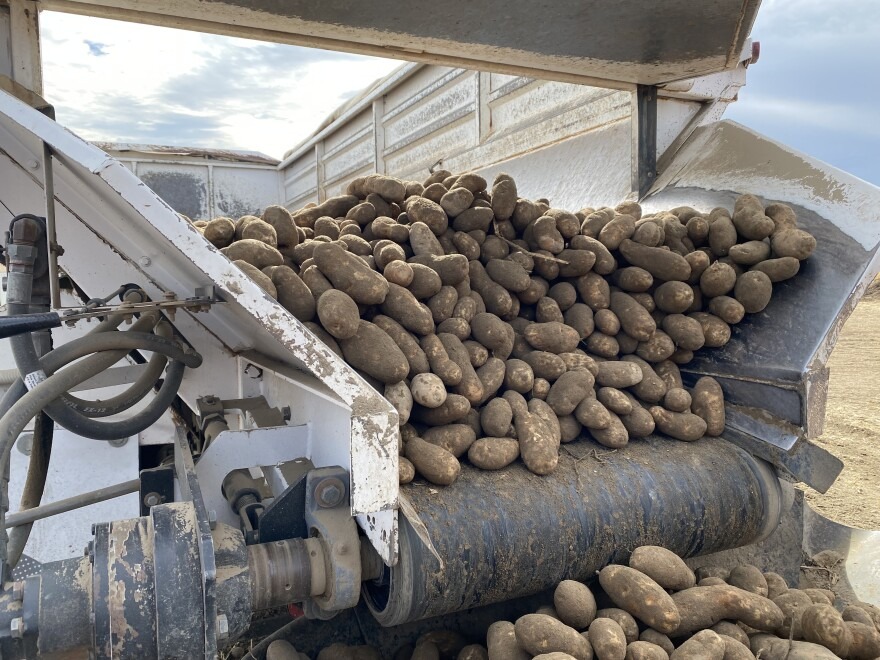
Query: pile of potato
(657, 608)
(499, 326)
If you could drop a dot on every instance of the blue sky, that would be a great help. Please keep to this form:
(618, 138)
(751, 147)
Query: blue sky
(815, 88)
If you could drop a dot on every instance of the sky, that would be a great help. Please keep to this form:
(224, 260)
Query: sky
(815, 87)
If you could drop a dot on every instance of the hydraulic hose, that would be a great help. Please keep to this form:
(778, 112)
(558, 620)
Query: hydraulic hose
(34, 484)
(135, 393)
(39, 397)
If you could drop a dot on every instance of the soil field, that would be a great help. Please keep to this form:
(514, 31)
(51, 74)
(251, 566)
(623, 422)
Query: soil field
(852, 424)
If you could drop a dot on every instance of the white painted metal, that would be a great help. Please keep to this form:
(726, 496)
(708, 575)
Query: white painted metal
(114, 229)
(24, 29)
(422, 116)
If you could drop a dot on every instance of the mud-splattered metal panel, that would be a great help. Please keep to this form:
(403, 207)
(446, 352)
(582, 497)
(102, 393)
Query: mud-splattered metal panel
(619, 41)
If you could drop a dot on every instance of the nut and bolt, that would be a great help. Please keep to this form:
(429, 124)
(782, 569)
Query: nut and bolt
(222, 627)
(17, 590)
(212, 518)
(329, 492)
(152, 499)
(16, 627)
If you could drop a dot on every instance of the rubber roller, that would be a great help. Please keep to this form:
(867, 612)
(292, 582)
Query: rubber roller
(504, 535)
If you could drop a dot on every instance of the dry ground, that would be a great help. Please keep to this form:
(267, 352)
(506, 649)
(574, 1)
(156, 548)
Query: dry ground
(852, 424)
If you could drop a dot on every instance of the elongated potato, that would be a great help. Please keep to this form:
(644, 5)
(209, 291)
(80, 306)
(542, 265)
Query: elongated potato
(569, 390)
(258, 276)
(501, 642)
(407, 343)
(539, 633)
(779, 269)
(634, 319)
(575, 604)
(338, 314)
(769, 647)
(663, 566)
(624, 619)
(372, 351)
(470, 386)
(679, 425)
(615, 435)
(822, 624)
(256, 253)
(350, 274)
(454, 409)
(493, 453)
(552, 337)
(753, 291)
(638, 594)
(705, 644)
(662, 264)
(538, 446)
(703, 607)
(607, 639)
(433, 462)
(454, 438)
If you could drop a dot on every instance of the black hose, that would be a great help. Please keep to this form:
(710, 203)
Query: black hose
(133, 394)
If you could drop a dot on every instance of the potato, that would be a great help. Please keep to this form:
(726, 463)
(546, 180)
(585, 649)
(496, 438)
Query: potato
(658, 639)
(575, 604)
(454, 409)
(425, 281)
(648, 233)
(717, 280)
(850, 612)
(580, 317)
(454, 438)
(282, 222)
(293, 294)
(634, 319)
(624, 619)
(538, 446)
(864, 641)
(474, 218)
(539, 633)
(753, 291)
(639, 423)
(663, 566)
(491, 377)
(324, 336)
(607, 639)
(400, 397)
(615, 400)
(497, 299)
(428, 390)
(699, 262)
(686, 332)
(493, 453)
(220, 232)
(822, 624)
(579, 360)
(820, 596)
(334, 207)
(749, 253)
(425, 651)
(372, 351)
(677, 400)
(493, 333)
(616, 231)
(470, 385)
(406, 471)
(433, 462)
(792, 243)
(674, 297)
(659, 348)
(415, 356)
(259, 277)
(338, 314)
(702, 607)
(256, 253)
(592, 414)
(350, 274)
(594, 291)
(618, 374)
(638, 594)
(421, 239)
(605, 263)
(545, 235)
(455, 201)
(779, 269)
(645, 651)
(662, 264)
(679, 425)
(441, 363)
(554, 655)
(727, 309)
(705, 644)
(595, 220)
(552, 337)
(501, 642)
(452, 268)
(768, 647)
(716, 331)
(614, 435)
(792, 603)
(473, 652)
(748, 577)
(547, 310)
(651, 388)
(633, 279)
(569, 390)
(335, 652)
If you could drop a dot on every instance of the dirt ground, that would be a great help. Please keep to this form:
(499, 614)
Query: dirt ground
(852, 424)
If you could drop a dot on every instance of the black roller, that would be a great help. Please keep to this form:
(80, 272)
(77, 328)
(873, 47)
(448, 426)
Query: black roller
(512, 533)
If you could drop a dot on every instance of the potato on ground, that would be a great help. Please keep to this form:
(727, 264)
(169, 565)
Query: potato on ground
(641, 596)
(708, 404)
(748, 577)
(539, 633)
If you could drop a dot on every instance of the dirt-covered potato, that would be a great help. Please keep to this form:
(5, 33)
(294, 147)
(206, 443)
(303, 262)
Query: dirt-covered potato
(399, 396)
(663, 566)
(350, 274)
(372, 351)
(615, 435)
(792, 243)
(493, 453)
(338, 314)
(674, 297)
(441, 364)
(635, 320)
(717, 280)
(569, 390)
(254, 252)
(262, 280)
(615, 232)
(728, 309)
(607, 639)
(641, 596)
(260, 231)
(705, 644)
(715, 331)
(470, 386)
(748, 577)
(864, 641)
(501, 642)
(624, 619)
(428, 390)
(753, 291)
(539, 633)
(493, 333)
(433, 462)
(618, 374)
(615, 400)
(645, 651)
(822, 624)
(638, 423)
(779, 269)
(722, 235)
(575, 604)
(293, 294)
(406, 471)
(686, 332)
(406, 342)
(552, 337)
(708, 404)
(220, 232)
(769, 647)
(658, 639)
(703, 607)
(548, 366)
(650, 388)
(679, 425)
(592, 414)
(454, 438)
(538, 446)
(662, 264)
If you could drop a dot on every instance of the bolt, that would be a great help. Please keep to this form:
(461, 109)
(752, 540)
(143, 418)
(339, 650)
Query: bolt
(212, 518)
(17, 590)
(253, 371)
(145, 261)
(222, 627)
(152, 499)
(33, 164)
(119, 442)
(329, 492)
(16, 627)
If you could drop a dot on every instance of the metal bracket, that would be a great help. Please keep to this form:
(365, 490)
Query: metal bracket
(328, 517)
(256, 408)
(157, 487)
(644, 136)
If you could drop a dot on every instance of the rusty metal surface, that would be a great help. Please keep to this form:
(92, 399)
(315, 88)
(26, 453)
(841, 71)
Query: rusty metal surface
(619, 42)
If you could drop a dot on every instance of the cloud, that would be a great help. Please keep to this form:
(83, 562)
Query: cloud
(160, 85)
